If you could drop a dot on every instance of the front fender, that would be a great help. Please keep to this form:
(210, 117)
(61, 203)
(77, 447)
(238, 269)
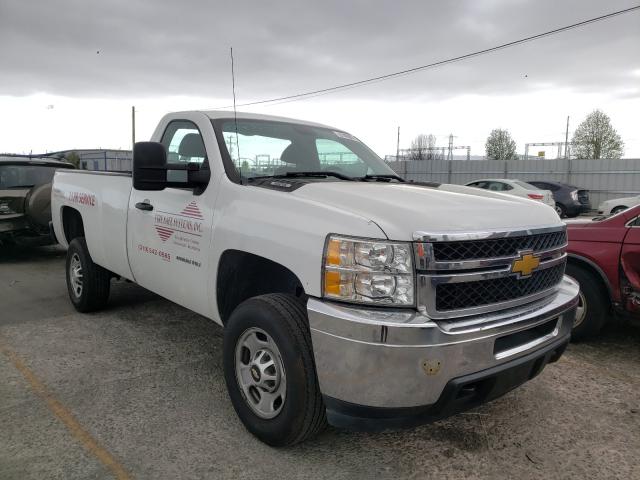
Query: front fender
(288, 230)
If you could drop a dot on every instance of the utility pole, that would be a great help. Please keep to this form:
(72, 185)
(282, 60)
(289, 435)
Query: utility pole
(133, 127)
(398, 146)
(566, 140)
(450, 153)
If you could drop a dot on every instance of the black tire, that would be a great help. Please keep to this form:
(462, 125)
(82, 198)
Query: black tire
(302, 413)
(593, 299)
(618, 209)
(96, 281)
(561, 210)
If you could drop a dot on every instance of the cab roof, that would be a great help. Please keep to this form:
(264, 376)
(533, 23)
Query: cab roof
(216, 114)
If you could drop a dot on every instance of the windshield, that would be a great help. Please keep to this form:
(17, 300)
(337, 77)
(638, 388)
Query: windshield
(526, 185)
(18, 176)
(264, 148)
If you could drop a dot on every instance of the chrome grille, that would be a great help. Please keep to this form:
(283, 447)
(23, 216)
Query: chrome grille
(497, 247)
(455, 296)
(471, 273)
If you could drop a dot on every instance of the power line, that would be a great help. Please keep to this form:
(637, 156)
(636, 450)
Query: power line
(439, 63)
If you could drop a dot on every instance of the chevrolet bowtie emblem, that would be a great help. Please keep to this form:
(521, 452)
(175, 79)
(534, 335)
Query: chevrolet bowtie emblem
(525, 265)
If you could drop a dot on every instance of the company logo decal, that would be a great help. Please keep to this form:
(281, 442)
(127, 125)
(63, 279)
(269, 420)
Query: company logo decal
(525, 265)
(192, 211)
(187, 222)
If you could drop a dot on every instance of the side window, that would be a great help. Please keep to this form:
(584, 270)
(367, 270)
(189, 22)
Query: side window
(496, 186)
(635, 223)
(506, 187)
(337, 157)
(183, 142)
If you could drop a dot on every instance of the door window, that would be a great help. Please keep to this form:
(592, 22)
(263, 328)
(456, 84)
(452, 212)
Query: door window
(499, 187)
(183, 143)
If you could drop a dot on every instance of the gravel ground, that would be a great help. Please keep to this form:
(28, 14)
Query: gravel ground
(143, 381)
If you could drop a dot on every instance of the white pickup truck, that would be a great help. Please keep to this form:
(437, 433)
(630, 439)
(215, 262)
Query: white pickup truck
(347, 295)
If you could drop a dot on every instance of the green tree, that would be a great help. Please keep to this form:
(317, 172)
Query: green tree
(596, 138)
(73, 158)
(500, 145)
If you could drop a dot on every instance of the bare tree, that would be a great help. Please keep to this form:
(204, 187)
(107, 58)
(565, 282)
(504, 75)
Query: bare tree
(423, 147)
(596, 138)
(500, 145)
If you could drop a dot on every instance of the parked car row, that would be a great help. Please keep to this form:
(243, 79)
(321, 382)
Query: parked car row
(568, 201)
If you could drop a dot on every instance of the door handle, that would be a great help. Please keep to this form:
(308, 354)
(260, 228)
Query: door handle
(146, 206)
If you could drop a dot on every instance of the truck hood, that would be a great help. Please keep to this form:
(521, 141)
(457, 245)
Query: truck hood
(400, 209)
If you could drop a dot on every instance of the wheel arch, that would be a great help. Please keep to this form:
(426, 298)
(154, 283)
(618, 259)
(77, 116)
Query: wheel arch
(72, 224)
(594, 269)
(242, 275)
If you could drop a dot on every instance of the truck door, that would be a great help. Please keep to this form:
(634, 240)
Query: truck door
(169, 231)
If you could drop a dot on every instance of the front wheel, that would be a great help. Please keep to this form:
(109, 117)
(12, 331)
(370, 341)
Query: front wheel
(88, 284)
(561, 210)
(270, 372)
(593, 304)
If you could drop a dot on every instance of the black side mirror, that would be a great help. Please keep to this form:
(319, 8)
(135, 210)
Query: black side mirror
(152, 172)
(149, 166)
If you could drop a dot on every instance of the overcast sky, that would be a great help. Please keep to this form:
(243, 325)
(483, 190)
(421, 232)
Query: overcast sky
(71, 69)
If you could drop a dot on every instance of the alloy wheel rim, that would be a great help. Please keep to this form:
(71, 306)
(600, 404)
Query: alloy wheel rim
(581, 310)
(260, 372)
(75, 275)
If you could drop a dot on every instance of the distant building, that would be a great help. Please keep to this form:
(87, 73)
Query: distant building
(100, 159)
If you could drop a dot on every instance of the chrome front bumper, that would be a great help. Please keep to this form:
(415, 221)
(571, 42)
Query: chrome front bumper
(401, 358)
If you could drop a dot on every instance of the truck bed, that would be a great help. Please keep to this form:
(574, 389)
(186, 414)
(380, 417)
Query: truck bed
(102, 198)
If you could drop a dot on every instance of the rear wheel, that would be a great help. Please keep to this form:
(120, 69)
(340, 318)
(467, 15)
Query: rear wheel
(617, 210)
(593, 306)
(88, 284)
(270, 372)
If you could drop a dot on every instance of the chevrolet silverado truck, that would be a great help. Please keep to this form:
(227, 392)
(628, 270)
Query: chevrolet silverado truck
(347, 295)
(604, 258)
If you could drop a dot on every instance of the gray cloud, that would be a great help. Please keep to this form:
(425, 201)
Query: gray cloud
(149, 48)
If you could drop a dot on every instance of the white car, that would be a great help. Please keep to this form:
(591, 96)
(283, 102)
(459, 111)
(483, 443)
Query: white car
(515, 187)
(616, 205)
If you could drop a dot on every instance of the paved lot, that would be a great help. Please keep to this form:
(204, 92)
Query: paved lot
(138, 391)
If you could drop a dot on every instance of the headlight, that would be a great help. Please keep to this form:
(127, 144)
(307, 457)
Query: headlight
(368, 271)
(574, 195)
(5, 209)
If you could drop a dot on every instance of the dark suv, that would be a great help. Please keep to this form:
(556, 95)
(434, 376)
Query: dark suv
(25, 197)
(570, 201)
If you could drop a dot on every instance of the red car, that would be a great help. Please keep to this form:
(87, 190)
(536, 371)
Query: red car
(604, 257)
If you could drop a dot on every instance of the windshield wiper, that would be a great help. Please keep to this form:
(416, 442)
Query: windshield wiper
(317, 174)
(383, 178)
